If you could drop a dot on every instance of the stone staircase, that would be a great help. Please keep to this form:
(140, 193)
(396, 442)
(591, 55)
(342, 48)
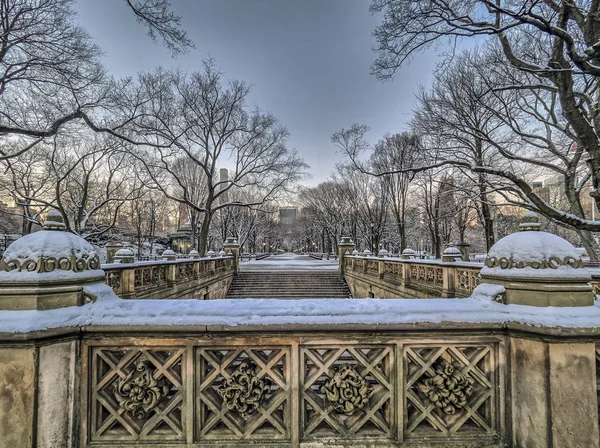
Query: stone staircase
(288, 285)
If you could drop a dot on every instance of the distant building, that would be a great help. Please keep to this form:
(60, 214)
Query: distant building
(288, 215)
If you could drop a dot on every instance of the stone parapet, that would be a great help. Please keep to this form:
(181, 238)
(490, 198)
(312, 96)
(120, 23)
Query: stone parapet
(202, 278)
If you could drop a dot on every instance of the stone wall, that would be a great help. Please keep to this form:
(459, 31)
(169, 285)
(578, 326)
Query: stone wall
(311, 386)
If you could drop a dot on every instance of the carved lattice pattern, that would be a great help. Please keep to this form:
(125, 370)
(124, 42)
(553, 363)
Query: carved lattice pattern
(137, 278)
(110, 420)
(216, 421)
(113, 279)
(374, 364)
(373, 266)
(467, 279)
(393, 270)
(478, 417)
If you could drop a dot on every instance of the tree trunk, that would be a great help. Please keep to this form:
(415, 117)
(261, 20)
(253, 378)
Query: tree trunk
(204, 229)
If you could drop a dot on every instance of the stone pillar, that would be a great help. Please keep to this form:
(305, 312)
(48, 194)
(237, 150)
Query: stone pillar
(451, 254)
(111, 249)
(123, 256)
(553, 394)
(464, 250)
(345, 245)
(231, 245)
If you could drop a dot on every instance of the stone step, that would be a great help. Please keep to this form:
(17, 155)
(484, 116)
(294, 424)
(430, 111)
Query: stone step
(288, 285)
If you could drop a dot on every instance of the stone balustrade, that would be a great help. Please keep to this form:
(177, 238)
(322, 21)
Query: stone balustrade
(203, 278)
(395, 277)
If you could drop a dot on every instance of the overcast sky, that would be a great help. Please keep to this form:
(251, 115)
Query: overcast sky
(307, 60)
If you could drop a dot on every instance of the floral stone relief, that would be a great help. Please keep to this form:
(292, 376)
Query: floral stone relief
(140, 393)
(244, 391)
(346, 390)
(449, 388)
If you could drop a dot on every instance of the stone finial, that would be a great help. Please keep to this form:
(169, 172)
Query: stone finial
(169, 255)
(451, 254)
(211, 254)
(54, 221)
(538, 268)
(48, 269)
(408, 254)
(194, 254)
(530, 221)
(124, 256)
(367, 253)
(222, 253)
(355, 252)
(384, 253)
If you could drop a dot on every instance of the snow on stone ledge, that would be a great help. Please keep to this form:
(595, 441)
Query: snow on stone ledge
(51, 244)
(533, 246)
(109, 311)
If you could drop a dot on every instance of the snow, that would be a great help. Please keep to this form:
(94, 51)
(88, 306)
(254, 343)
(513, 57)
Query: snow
(109, 311)
(562, 272)
(533, 246)
(288, 262)
(49, 243)
(56, 275)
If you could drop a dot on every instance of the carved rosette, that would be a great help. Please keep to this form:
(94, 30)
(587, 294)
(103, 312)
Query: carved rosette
(244, 391)
(346, 390)
(551, 263)
(139, 392)
(448, 389)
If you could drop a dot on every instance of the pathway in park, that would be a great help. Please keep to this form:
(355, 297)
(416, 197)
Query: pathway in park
(288, 276)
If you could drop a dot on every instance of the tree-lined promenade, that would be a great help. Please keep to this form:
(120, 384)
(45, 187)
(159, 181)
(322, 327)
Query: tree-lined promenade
(501, 129)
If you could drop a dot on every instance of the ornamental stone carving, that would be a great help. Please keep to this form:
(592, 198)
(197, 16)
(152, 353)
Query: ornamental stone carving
(244, 391)
(346, 390)
(139, 392)
(550, 263)
(448, 389)
(51, 249)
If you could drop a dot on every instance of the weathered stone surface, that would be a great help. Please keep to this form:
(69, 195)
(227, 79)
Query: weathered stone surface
(573, 400)
(529, 380)
(57, 403)
(17, 397)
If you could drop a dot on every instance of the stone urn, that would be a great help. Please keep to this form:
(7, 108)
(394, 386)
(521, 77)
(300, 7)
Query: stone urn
(538, 268)
(48, 269)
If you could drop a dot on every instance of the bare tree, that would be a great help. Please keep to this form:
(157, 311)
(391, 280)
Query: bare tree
(397, 152)
(209, 124)
(554, 42)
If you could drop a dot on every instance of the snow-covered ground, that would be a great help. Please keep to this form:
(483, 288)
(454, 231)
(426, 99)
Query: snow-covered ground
(287, 262)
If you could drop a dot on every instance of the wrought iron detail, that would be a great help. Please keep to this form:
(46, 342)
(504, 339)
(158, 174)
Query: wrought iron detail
(346, 390)
(244, 391)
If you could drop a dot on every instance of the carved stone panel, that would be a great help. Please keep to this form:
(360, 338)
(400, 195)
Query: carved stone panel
(243, 393)
(451, 391)
(347, 392)
(136, 394)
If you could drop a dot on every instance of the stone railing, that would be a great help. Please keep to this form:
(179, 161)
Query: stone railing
(205, 278)
(282, 373)
(395, 277)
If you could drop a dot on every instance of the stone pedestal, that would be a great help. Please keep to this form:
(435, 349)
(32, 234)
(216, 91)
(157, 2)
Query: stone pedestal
(111, 250)
(232, 245)
(345, 245)
(464, 250)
